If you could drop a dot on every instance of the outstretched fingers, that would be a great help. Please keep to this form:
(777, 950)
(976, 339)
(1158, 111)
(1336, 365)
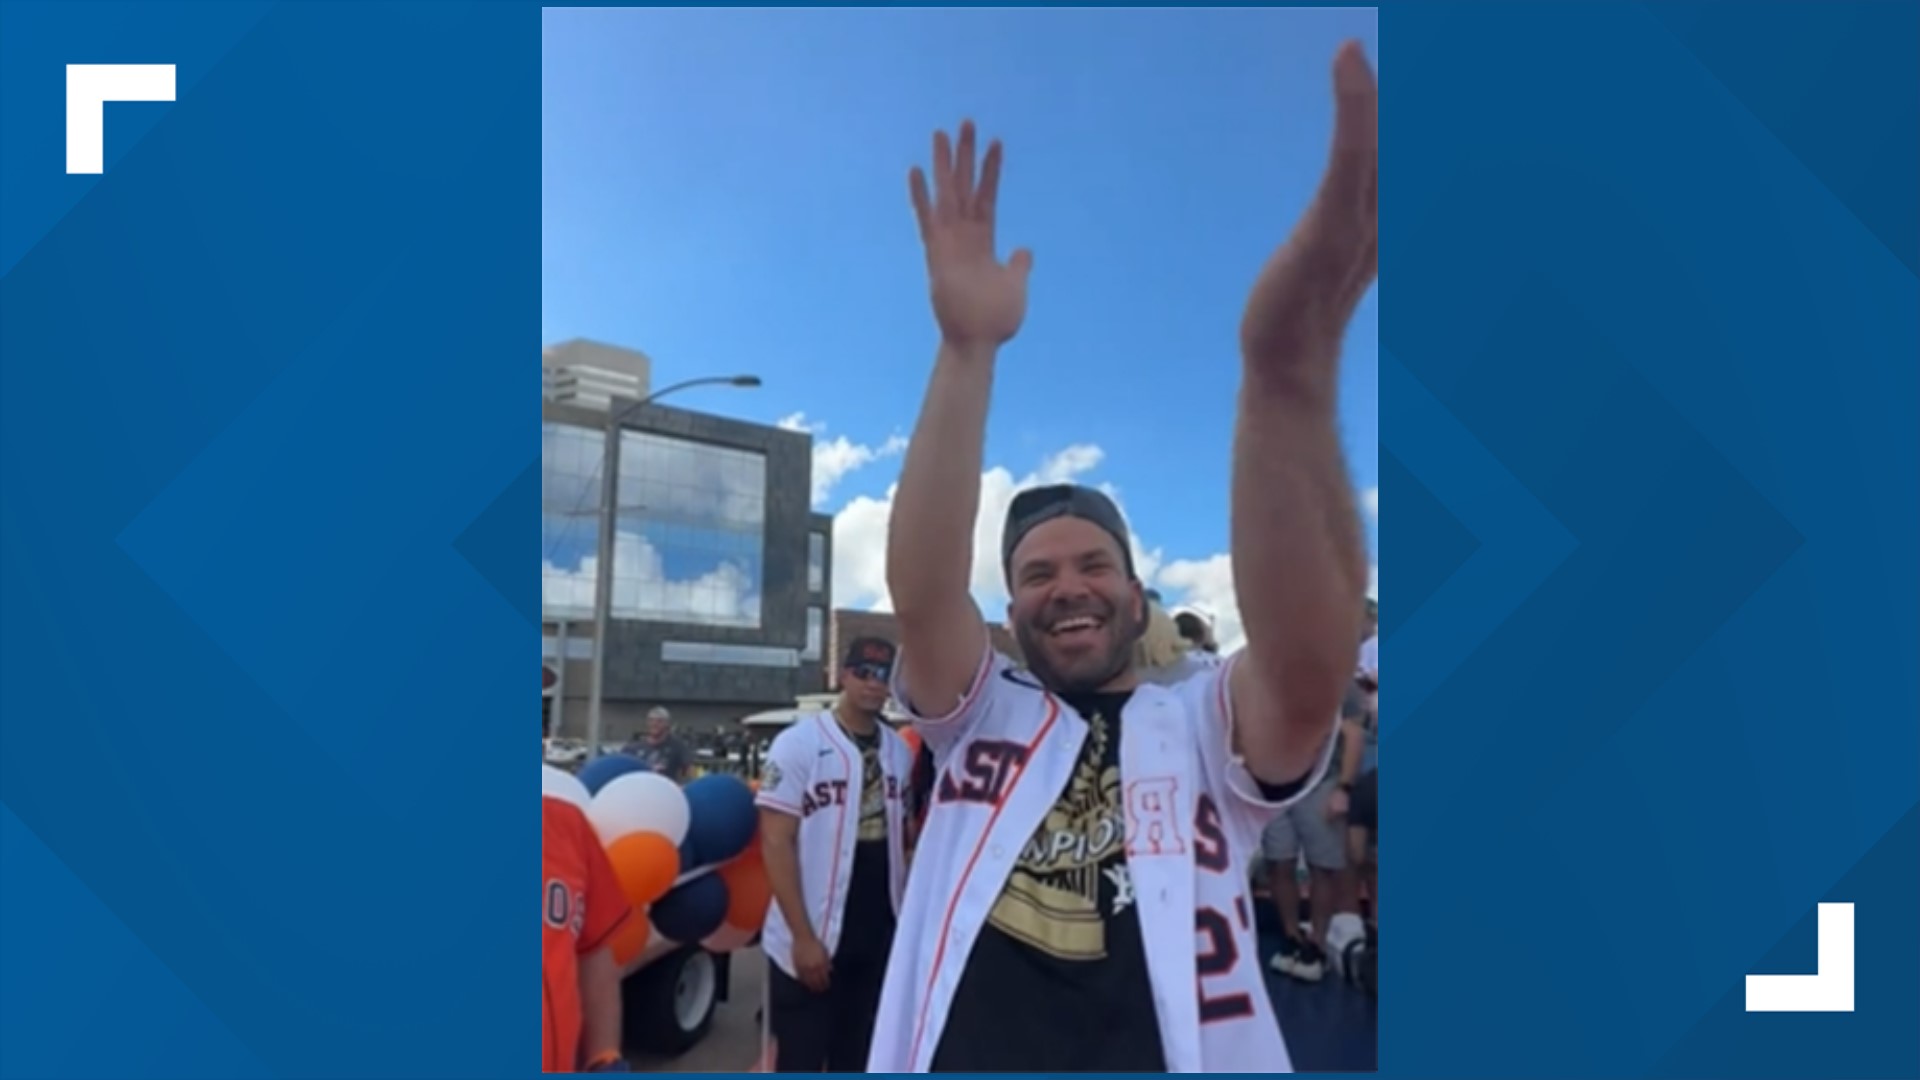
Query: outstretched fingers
(989, 184)
(946, 202)
(955, 195)
(963, 168)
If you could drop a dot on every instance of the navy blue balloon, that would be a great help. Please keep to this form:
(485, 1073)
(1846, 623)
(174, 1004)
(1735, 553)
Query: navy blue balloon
(689, 856)
(602, 771)
(691, 911)
(721, 819)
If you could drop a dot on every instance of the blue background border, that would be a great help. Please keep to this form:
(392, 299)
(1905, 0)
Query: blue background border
(266, 441)
(1648, 438)
(266, 436)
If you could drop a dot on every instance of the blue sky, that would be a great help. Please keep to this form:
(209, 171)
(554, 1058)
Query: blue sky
(725, 190)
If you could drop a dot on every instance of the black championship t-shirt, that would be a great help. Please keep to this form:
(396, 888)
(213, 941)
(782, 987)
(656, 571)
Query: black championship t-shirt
(1058, 980)
(867, 927)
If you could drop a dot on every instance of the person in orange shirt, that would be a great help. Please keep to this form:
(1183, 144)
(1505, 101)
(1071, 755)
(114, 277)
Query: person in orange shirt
(583, 906)
(920, 786)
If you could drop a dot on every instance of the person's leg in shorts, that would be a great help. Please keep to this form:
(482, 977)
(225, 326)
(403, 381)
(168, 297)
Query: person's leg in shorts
(1363, 832)
(1323, 840)
(800, 1021)
(1280, 850)
(1304, 830)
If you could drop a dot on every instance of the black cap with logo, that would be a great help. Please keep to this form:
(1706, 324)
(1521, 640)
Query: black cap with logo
(875, 653)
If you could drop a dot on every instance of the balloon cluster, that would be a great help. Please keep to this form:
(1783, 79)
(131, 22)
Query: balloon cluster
(688, 858)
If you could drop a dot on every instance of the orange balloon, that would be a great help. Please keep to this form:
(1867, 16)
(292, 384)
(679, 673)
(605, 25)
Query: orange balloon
(646, 864)
(631, 937)
(747, 892)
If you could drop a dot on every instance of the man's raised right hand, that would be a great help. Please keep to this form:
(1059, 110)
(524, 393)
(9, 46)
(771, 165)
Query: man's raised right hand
(978, 300)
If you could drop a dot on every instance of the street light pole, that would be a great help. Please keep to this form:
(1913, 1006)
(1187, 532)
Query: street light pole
(609, 517)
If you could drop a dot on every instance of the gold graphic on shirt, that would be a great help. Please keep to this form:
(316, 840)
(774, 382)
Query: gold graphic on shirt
(873, 795)
(1052, 899)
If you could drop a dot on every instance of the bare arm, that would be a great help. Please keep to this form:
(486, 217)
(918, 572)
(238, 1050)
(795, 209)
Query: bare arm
(930, 538)
(600, 1004)
(1298, 560)
(780, 848)
(979, 304)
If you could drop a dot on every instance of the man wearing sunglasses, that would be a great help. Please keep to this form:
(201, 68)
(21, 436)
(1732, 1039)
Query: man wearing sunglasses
(1078, 899)
(832, 832)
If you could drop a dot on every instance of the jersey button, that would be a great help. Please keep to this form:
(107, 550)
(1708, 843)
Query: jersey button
(998, 851)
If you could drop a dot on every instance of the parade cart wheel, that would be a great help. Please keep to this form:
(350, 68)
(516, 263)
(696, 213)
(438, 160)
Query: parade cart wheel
(669, 1004)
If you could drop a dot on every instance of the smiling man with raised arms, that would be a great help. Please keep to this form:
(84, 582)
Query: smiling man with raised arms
(1079, 900)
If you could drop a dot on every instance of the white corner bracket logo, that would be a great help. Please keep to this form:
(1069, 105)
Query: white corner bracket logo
(89, 88)
(1829, 988)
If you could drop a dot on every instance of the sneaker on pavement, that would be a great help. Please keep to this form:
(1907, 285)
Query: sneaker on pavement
(1287, 959)
(1309, 963)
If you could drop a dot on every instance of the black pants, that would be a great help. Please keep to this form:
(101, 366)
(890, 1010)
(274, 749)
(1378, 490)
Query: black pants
(831, 1031)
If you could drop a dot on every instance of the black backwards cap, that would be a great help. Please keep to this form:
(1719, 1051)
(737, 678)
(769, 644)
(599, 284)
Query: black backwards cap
(1036, 506)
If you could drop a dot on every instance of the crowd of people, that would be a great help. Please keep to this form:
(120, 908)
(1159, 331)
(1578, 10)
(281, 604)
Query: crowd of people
(821, 1015)
(680, 756)
(1056, 879)
(1332, 835)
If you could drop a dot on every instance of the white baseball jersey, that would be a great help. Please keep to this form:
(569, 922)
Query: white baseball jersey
(813, 772)
(1194, 816)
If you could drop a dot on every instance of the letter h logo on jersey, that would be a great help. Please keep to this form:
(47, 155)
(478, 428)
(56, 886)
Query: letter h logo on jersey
(1152, 826)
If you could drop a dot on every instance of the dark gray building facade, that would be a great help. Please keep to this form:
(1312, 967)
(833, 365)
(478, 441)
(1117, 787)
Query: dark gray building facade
(721, 570)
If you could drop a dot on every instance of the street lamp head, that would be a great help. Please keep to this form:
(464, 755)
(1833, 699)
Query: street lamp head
(745, 380)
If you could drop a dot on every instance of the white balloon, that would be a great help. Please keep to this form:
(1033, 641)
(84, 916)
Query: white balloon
(563, 785)
(640, 802)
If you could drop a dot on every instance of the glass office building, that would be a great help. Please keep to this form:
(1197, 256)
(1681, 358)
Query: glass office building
(720, 569)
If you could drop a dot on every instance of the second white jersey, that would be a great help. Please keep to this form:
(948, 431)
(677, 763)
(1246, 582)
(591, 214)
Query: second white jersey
(1193, 820)
(814, 772)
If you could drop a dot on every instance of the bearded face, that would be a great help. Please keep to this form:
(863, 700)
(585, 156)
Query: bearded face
(1075, 609)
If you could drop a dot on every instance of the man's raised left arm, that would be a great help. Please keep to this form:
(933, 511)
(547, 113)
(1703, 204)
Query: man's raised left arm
(1299, 557)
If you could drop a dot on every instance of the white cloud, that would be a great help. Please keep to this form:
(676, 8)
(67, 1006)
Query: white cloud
(834, 458)
(860, 534)
(1206, 586)
(1202, 584)
(860, 553)
(1068, 464)
(726, 594)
